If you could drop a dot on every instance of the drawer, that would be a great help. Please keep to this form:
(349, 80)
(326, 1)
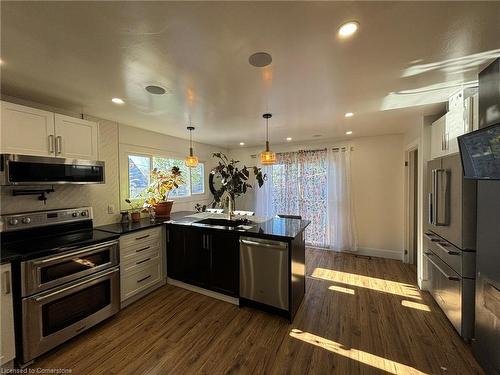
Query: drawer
(144, 277)
(462, 262)
(140, 262)
(445, 285)
(135, 252)
(140, 236)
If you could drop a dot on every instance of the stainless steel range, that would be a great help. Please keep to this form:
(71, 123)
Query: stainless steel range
(67, 277)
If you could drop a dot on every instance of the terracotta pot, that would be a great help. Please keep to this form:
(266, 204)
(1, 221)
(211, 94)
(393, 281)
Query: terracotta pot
(162, 209)
(136, 216)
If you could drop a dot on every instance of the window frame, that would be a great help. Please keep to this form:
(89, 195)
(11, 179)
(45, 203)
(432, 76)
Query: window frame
(126, 150)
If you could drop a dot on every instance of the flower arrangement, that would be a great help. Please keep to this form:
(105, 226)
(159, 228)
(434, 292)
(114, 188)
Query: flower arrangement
(135, 210)
(162, 183)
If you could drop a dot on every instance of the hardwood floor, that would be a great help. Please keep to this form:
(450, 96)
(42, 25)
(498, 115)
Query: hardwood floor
(359, 316)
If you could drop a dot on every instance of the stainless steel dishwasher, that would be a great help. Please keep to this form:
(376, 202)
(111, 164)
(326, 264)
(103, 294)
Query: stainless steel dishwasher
(264, 271)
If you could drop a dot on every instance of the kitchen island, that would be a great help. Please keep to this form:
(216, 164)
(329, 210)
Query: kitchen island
(204, 254)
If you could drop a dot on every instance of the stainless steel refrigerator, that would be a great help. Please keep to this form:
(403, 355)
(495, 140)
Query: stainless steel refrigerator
(450, 241)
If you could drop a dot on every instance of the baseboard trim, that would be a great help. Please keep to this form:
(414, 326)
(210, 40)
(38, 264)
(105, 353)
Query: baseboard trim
(206, 292)
(380, 253)
(423, 284)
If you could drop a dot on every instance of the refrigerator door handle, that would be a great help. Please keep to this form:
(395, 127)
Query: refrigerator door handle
(429, 212)
(441, 188)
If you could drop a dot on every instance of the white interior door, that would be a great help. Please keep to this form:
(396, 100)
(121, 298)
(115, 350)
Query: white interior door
(76, 138)
(26, 131)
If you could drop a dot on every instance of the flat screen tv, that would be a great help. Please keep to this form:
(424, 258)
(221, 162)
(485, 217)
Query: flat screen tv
(480, 153)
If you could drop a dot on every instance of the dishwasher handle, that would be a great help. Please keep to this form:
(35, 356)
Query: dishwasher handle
(276, 245)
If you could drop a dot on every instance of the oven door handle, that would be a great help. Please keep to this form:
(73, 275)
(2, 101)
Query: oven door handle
(69, 255)
(74, 286)
(449, 277)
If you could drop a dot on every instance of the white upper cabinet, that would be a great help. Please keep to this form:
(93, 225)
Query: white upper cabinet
(7, 343)
(30, 131)
(75, 138)
(458, 121)
(26, 130)
(437, 138)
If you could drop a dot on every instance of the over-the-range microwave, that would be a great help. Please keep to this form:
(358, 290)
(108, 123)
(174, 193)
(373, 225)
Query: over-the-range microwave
(40, 170)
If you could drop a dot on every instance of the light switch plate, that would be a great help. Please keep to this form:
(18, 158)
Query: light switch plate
(111, 208)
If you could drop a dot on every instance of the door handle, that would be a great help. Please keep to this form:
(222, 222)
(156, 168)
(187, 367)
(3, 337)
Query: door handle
(443, 245)
(58, 145)
(7, 282)
(51, 144)
(144, 248)
(142, 237)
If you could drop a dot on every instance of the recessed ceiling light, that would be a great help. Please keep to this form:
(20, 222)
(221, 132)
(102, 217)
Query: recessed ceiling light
(117, 101)
(349, 114)
(349, 132)
(288, 138)
(242, 143)
(348, 29)
(260, 59)
(155, 90)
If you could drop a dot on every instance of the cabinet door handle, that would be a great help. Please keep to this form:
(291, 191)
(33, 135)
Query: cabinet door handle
(51, 144)
(143, 279)
(447, 141)
(142, 237)
(144, 248)
(143, 261)
(58, 145)
(7, 282)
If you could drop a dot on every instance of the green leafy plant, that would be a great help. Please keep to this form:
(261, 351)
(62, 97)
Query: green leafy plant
(235, 180)
(162, 183)
(134, 206)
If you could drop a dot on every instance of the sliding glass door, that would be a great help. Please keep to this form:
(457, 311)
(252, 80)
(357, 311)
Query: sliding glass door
(298, 185)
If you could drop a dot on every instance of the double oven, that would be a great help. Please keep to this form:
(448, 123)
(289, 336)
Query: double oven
(66, 276)
(64, 295)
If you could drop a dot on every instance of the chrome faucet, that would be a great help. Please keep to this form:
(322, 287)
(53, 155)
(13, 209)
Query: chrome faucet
(230, 204)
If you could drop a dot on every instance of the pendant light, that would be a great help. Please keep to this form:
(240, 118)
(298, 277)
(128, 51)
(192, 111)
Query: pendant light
(191, 161)
(267, 157)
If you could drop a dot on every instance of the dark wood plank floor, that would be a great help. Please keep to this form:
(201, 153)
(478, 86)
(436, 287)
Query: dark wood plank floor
(359, 316)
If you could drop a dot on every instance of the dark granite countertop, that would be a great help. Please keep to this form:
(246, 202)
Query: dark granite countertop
(274, 228)
(145, 223)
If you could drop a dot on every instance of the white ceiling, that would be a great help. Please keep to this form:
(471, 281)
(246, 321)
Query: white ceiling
(406, 57)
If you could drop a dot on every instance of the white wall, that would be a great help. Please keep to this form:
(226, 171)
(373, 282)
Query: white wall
(377, 165)
(111, 136)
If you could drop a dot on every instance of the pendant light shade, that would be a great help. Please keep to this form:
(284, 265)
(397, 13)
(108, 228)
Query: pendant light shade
(191, 161)
(267, 157)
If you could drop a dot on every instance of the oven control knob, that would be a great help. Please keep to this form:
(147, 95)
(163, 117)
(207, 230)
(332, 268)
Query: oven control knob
(13, 221)
(84, 213)
(25, 220)
(74, 214)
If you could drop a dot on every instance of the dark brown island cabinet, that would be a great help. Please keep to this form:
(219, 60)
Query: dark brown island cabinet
(209, 257)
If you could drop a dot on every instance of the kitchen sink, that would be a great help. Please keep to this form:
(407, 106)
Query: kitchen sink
(224, 222)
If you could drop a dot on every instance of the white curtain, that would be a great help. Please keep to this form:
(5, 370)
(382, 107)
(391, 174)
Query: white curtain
(264, 204)
(341, 221)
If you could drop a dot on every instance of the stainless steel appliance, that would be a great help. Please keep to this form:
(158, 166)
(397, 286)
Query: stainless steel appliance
(264, 277)
(37, 170)
(486, 342)
(450, 241)
(67, 277)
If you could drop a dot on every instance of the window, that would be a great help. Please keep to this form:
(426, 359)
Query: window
(139, 170)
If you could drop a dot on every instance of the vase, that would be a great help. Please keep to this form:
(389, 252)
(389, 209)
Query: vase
(136, 216)
(162, 209)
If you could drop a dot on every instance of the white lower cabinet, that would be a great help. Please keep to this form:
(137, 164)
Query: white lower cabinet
(8, 346)
(142, 257)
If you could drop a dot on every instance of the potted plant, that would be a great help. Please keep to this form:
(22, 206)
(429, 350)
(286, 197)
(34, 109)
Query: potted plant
(162, 183)
(233, 180)
(135, 210)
